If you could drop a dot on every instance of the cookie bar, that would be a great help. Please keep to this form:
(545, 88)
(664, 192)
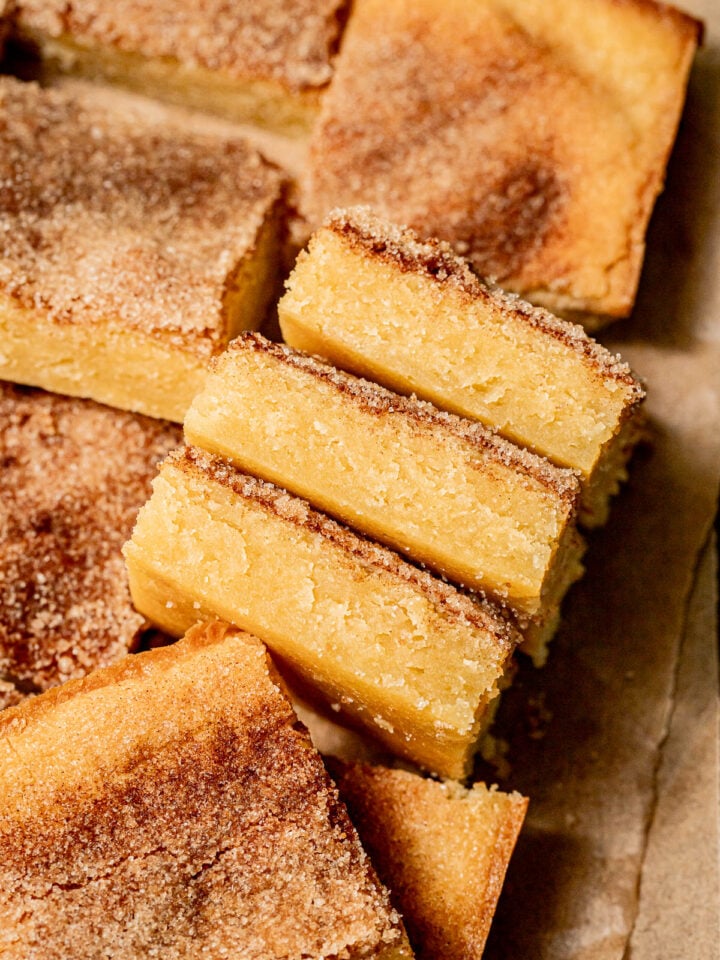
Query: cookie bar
(376, 300)
(533, 135)
(447, 492)
(73, 475)
(172, 806)
(129, 254)
(266, 62)
(405, 655)
(441, 849)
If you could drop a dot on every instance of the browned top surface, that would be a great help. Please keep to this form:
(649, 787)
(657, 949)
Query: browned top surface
(475, 611)
(435, 259)
(211, 829)
(266, 39)
(379, 401)
(441, 850)
(456, 119)
(73, 475)
(104, 217)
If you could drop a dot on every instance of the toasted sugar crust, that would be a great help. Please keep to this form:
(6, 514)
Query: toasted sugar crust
(74, 475)
(374, 236)
(258, 40)
(547, 179)
(420, 835)
(109, 219)
(474, 610)
(212, 825)
(379, 401)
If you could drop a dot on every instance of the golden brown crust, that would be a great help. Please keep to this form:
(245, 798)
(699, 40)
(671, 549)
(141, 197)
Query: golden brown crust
(211, 827)
(379, 401)
(442, 851)
(74, 475)
(474, 610)
(548, 170)
(108, 219)
(260, 40)
(403, 247)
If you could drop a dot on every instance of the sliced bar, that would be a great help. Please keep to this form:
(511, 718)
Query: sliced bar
(172, 806)
(406, 655)
(442, 851)
(374, 299)
(533, 135)
(73, 476)
(448, 492)
(267, 62)
(129, 254)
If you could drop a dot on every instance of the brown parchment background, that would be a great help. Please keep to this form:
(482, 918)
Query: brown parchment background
(616, 740)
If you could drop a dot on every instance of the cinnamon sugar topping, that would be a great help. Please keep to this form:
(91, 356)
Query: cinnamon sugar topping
(73, 476)
(104, 217)
(270, 39)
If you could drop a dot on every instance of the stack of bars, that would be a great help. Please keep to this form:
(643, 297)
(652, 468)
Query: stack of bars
(376, 514)
(291, 463)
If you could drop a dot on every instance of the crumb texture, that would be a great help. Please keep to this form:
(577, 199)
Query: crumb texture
(269, 39)
(109, 218)
(403, 247)
(373, 398)
(73, 475)
(469, 611)
(207, 828)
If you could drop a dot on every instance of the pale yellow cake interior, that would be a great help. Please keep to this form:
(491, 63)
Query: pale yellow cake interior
(442, 851)
(468, 354)
(371, 641)
(263, 102)
(414, 485)
(125, 368)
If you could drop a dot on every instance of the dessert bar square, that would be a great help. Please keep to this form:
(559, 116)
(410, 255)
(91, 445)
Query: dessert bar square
(531, 134)
(73, 475)
(441, 849)
(403, 654)
(171, 805)
(130, 254)
(267, 62)
(374, 299)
